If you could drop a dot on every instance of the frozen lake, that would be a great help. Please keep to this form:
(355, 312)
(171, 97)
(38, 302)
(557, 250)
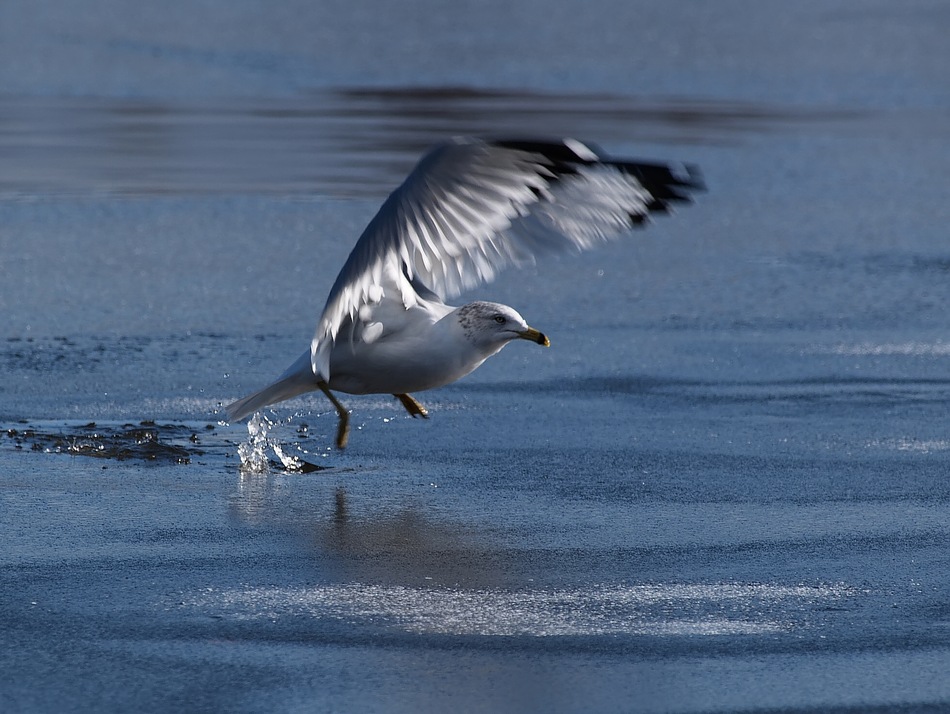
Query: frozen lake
(724, 488)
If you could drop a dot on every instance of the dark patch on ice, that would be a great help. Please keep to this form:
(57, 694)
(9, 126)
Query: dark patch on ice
(145, 441)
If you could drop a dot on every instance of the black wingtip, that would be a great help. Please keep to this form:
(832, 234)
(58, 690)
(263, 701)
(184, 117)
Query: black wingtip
(671, 181)
(558, 151)
(566, 152)
(667, 183)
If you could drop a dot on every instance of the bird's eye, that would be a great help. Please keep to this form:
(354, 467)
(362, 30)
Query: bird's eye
(500, 319)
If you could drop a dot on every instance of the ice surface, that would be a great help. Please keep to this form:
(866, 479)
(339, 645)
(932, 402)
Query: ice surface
(652, 610)
(724, 488)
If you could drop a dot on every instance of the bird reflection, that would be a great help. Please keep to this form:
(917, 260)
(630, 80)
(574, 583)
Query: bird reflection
(340, 512)
(384, 543)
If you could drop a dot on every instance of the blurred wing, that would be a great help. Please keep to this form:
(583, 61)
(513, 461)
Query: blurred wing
(471, 208)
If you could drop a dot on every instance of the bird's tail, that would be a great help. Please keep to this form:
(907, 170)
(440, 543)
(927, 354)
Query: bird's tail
(298, 379)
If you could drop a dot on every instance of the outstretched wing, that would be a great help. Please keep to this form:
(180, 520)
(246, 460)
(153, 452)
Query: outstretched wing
(471, 208)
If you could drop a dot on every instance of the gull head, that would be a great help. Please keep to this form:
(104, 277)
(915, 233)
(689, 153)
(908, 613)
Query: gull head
(492, 325)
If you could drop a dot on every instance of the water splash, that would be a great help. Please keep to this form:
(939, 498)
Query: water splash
(254, 451)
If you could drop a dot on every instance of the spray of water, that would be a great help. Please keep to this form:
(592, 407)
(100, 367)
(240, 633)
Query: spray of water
(253, 452)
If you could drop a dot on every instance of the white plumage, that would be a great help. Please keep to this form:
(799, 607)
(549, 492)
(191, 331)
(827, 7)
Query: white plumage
(469, 209)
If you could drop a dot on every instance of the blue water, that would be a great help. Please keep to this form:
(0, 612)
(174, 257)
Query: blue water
(724, 487)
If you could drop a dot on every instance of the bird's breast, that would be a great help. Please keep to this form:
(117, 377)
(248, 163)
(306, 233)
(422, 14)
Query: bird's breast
(404, 365)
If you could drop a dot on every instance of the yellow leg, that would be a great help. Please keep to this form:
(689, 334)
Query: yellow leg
(412, 406)
(343, 430)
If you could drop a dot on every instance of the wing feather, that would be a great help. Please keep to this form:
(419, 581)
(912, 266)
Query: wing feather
(471, 208)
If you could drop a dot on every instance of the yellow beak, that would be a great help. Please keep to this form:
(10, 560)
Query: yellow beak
(535, 336)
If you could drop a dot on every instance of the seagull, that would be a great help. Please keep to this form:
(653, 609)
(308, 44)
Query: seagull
(470, 208)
